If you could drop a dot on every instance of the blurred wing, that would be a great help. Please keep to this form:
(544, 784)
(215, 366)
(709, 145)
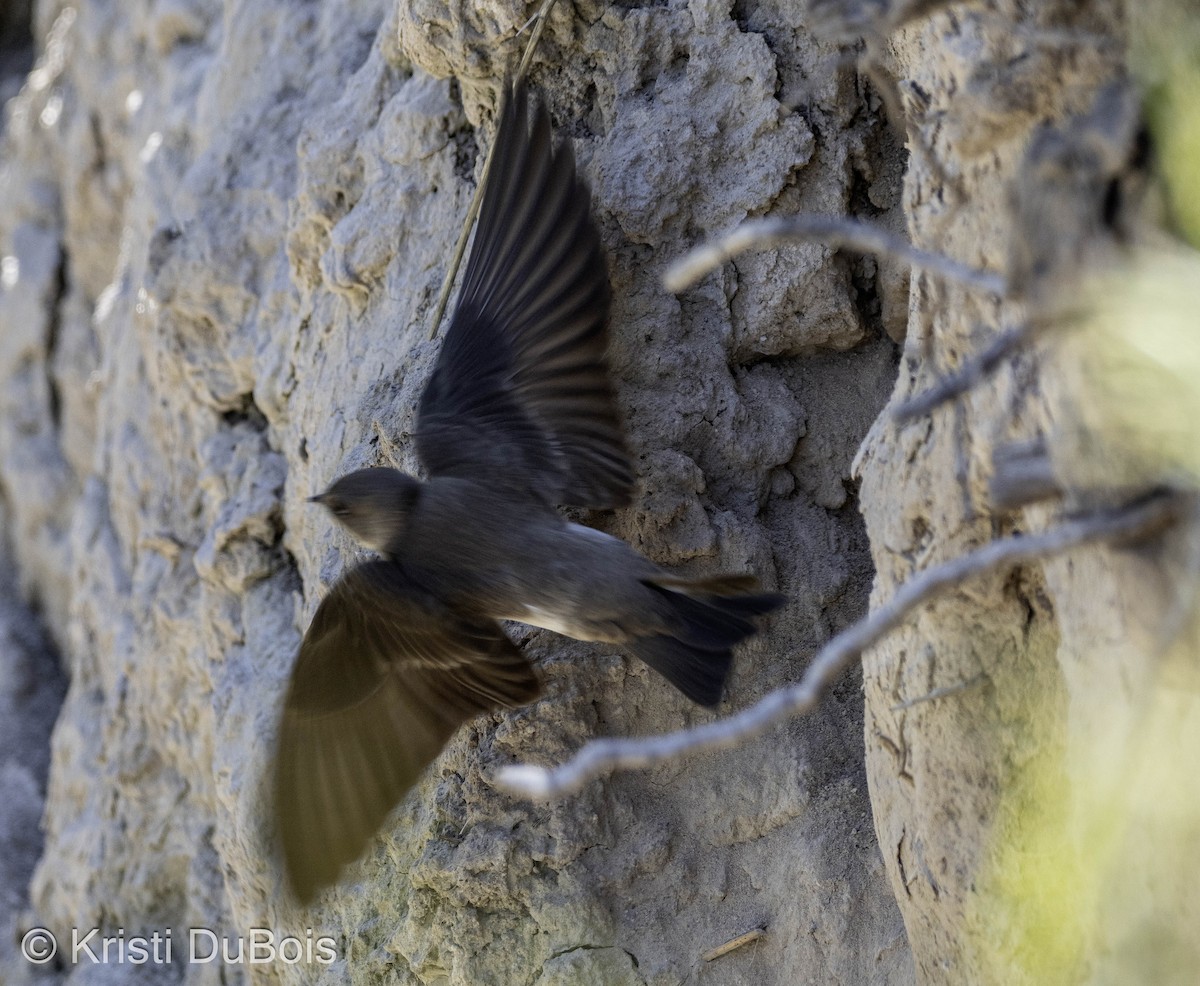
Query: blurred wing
(385, 675)
(520, 392)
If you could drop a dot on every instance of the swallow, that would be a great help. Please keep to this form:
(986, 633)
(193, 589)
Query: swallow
(517, 419)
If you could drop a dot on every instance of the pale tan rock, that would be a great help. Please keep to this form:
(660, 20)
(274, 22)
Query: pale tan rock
(1023, 734)
(233, 224)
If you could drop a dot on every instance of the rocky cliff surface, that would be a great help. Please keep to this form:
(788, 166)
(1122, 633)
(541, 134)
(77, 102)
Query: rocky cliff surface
(223, 232)
(222, 237)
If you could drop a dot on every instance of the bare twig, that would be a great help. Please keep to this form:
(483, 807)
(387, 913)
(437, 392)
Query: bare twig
(943, 692)
(540, 17)
(976, 368)
(715, 953)
(1022, 473)
(843, 21)
(460, 247)
(841, 234)
(968, 375)
(607, 755)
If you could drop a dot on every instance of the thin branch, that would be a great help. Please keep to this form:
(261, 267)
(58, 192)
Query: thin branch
(836, 21)
(976, 368)
(967, 376)
(604, 756)
(841, 234)
(1022, 473)
(540, 17)
(460, 247)
(734, 943)
(944, 692)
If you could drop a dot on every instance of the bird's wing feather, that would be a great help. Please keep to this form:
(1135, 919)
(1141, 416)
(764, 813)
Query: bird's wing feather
(521, 392)
(385, 675)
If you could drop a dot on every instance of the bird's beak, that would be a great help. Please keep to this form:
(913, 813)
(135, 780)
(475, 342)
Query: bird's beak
(319, 498)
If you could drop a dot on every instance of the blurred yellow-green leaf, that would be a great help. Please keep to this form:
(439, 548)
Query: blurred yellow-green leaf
(1165, 58)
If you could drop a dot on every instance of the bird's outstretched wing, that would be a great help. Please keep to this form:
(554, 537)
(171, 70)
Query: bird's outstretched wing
(520, 393)
(385, 675)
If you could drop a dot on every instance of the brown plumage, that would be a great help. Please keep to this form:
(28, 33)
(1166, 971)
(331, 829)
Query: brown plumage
(517, 418)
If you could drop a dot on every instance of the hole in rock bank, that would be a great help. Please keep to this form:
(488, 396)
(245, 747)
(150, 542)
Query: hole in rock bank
(16, 45)
(245, 412)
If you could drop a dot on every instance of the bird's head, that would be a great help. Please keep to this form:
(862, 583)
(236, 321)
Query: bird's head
(372, 504)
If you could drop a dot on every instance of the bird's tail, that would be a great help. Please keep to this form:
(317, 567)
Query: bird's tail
(707, 619)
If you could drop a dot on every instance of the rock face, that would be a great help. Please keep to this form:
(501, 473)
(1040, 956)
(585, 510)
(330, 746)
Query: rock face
(1024, 734)
(222, 238)
(223, 234)
(31, 691)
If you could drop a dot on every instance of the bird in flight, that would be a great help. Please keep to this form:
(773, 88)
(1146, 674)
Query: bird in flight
(518, 417)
